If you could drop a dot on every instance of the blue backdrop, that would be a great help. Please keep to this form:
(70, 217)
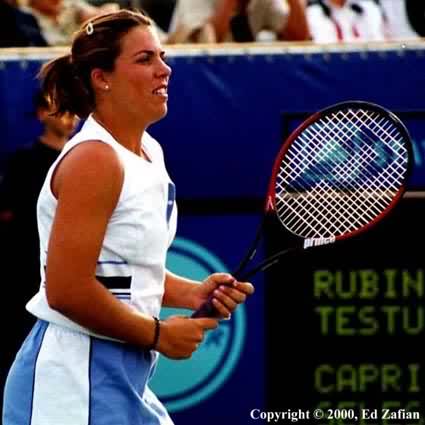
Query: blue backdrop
(226, 106)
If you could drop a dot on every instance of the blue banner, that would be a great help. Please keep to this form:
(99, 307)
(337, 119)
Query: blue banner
(224, 125)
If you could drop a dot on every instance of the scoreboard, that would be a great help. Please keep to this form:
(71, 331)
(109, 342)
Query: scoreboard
(346, 321)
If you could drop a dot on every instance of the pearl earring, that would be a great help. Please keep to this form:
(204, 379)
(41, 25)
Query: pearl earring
(106, 87)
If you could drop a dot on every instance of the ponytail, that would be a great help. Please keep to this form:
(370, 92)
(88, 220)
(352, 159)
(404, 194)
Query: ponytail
(66, 89)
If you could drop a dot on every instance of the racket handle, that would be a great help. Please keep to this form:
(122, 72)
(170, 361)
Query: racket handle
(206, 310)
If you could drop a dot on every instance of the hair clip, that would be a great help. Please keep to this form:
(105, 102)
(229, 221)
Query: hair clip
(89, 28)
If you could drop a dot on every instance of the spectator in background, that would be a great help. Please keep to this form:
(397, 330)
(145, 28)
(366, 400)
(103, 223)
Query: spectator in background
(59, 19)
(210, 21)
(18, 28)
(416, 14)
(160, 11)
(405, 18)
(19, 247)
(22, 181)
(332, 21)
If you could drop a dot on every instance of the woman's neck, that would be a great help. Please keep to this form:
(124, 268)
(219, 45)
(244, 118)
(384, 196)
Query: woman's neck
(125, 132)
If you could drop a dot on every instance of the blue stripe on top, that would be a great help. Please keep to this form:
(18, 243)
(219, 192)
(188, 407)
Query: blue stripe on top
(112, 262)
(122, 296)
(171, 200)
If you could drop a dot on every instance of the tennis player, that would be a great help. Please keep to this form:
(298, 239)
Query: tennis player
(106, 217)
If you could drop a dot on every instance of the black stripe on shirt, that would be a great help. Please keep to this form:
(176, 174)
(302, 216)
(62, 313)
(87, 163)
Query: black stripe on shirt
(115, 282)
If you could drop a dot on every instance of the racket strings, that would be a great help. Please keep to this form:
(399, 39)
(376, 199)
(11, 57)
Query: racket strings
(336, 170)
(311, 154)
(397, 147)
(350, 132)
(371, 177)
(360, 159)
(390, 178)
(322, 204)
(319, 215)
(333, 194)
(312, 227)
(340, 174)
(383, 135)
(301, 217)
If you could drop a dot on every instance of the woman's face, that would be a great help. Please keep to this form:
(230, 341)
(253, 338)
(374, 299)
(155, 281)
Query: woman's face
(138, 86)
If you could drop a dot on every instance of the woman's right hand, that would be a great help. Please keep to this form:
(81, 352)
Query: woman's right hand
(180, 336)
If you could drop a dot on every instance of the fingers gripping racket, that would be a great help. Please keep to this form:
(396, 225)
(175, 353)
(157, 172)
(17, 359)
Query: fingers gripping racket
(340, 172)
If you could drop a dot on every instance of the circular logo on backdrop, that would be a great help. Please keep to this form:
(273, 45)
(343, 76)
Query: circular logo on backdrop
(181, 384)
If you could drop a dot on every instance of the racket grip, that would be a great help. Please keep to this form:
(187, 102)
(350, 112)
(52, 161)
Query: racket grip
(206, 310)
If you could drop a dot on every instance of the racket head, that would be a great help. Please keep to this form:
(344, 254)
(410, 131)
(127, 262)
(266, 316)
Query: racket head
(340, 172)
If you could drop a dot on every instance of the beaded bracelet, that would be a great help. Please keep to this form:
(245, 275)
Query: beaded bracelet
(156, 335)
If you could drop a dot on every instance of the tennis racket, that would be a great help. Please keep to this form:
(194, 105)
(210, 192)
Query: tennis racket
(339, 173)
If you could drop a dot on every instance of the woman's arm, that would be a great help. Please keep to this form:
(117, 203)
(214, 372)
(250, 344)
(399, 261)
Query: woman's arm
(223, 13)
(179, 291)
(296, 28)
(87, 185)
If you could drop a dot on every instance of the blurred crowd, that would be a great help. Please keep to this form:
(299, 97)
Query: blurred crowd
(52, 22)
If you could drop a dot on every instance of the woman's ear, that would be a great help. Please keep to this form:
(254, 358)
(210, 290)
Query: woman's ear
(99, 80)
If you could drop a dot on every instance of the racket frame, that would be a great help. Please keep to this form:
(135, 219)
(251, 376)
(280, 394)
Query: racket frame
(270, 206)
(207, 309)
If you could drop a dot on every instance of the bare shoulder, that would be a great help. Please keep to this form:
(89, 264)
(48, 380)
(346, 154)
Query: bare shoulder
(91, 167)
(93, 153)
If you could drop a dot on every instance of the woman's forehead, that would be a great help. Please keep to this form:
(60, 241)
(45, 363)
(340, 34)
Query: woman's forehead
(140, 38)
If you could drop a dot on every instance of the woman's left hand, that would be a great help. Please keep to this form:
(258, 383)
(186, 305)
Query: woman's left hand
(227, 293)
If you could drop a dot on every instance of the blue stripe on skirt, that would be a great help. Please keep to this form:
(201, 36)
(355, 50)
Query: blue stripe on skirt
(118, 376)
(118, 384)
(18, 391)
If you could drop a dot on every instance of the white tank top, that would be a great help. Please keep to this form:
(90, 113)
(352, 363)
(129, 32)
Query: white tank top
(131, 263)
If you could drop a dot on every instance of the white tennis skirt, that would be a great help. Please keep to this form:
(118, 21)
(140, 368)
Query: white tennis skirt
(64, 377)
